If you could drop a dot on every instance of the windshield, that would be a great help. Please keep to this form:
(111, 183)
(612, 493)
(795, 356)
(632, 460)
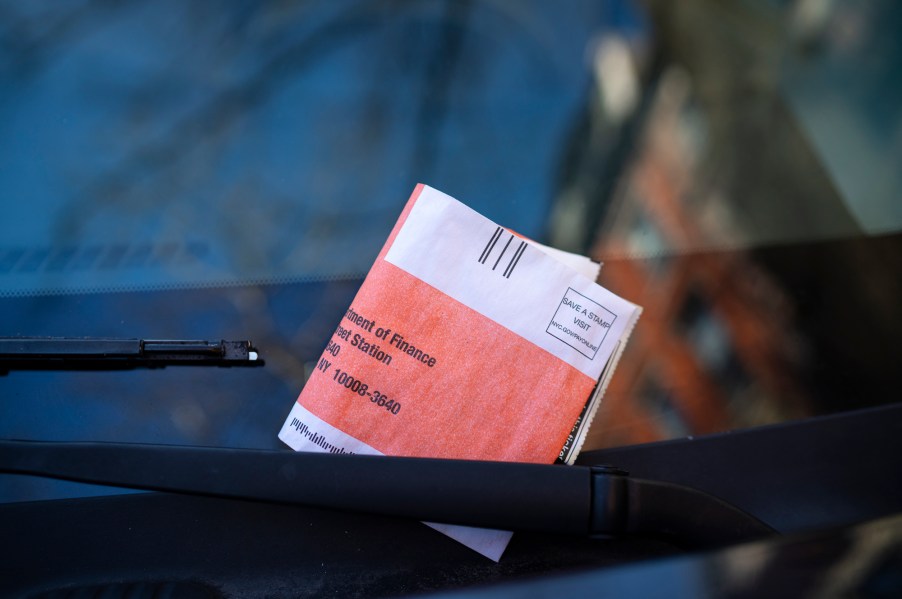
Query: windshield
(193, 171)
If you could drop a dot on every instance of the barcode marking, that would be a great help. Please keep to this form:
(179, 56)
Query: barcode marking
(502, 252)
(514, 259)
(490, 245)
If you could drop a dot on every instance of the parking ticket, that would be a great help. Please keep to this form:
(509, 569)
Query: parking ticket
(464, 341)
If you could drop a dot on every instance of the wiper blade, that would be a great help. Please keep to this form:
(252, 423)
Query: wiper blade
(514, 496)
(51, 353)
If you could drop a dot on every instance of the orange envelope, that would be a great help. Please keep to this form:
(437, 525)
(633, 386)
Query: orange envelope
(464, 341)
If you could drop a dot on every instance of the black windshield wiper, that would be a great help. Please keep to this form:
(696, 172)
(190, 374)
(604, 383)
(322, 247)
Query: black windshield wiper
(513, 496)
(70, 353)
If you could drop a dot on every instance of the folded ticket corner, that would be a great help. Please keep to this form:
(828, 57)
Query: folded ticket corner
(569, 454)
(467, 341)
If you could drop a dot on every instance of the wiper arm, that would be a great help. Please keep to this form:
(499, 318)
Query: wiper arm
(513, 496)
(64, 353)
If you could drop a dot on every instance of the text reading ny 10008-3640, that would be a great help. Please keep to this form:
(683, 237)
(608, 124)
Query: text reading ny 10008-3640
(363, 390)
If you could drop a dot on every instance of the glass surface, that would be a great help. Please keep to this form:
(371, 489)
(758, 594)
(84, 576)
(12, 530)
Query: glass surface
(757, 218)
(182, 170)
